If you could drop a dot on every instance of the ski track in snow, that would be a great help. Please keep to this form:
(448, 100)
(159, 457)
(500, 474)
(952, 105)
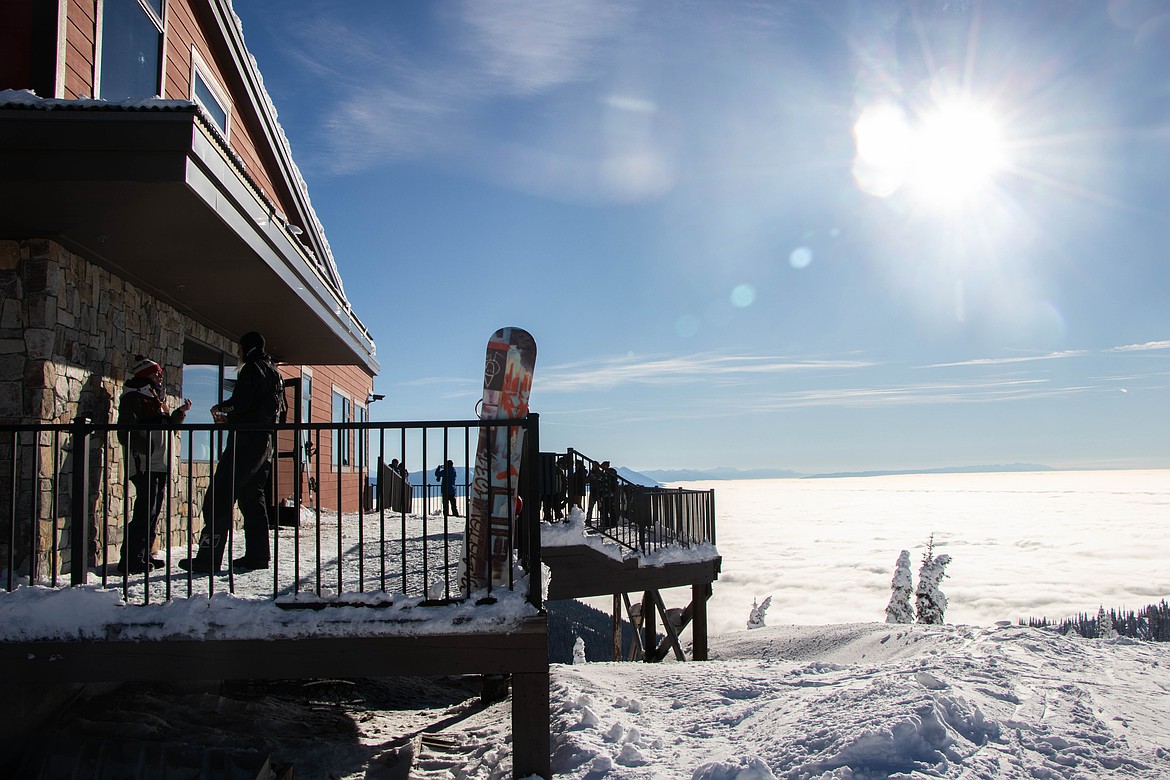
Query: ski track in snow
(857, 702)
(831, 702)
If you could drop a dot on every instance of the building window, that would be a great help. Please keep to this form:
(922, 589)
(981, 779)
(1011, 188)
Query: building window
(362, 414)
(341, 437)
(208, 377)
(307, 408)
(132, 48)
(208, 94)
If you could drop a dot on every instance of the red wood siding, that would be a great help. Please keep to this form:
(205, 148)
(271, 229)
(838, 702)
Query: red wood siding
(80, 48)
(358, 385)
(191, 19)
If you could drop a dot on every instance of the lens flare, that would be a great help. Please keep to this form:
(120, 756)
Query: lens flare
(800, 258)
(743, 296)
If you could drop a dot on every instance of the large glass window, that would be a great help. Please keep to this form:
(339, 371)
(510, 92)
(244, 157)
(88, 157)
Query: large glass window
(208, 97)
(307, 409)
(131, 57)
(362, 414)
(341, 438)
(207, 379)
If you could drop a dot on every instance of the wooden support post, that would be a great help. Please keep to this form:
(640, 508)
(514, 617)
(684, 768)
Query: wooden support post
(617, 626)
(648, 632)
(671, 631)
(699, 595)
(635, 616)
(531, 744)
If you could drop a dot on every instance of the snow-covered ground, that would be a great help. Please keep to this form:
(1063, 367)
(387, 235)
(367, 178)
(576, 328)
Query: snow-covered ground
(872, 701)
(833, 702)
(838, 701)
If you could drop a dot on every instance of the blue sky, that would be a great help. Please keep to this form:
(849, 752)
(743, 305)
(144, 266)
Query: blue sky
(823, 236)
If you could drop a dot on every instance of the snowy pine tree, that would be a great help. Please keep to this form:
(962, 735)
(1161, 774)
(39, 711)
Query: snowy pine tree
(901, 588)
(930, 601)
(1105, 629)
(756, 617)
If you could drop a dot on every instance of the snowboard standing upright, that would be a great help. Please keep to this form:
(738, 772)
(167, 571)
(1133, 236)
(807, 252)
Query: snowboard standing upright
(507, 383)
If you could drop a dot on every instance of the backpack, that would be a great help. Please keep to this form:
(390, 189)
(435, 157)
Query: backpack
(278, 391)
(273, 407)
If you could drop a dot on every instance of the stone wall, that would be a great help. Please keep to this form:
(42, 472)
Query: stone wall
(69, 330)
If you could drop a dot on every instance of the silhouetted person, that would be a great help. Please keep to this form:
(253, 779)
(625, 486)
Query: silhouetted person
(245, 466)
(144, 402)
(445, 474)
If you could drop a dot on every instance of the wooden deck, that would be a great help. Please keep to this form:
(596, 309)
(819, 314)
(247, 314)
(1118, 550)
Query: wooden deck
(522, 653)
(579, 571)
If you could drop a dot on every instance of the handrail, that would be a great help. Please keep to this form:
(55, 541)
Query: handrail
(65, 499)
(639, 517)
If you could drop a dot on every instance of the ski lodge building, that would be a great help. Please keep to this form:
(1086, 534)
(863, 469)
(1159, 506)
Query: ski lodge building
(150, 204)
(163, 226)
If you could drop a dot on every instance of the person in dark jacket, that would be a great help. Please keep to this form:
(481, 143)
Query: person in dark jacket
(245, 466)
(144, 402)
(445, 474)
(577, 480)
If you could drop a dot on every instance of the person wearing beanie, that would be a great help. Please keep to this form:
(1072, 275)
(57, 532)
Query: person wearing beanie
(245, 466)
(143, 405)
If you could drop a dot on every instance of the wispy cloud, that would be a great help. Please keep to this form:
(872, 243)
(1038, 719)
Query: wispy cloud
(1068, 353)
(386, 100)
(1149, 345)
(679, 370)
(913, 395)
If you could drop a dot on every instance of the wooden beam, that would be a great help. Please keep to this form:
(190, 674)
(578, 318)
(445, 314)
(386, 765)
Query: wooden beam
(671, 632)
(700, 593)
(531, 719)
(635, 621)
(648, 632)
(523, 651)
(580, 571)
(617, 626)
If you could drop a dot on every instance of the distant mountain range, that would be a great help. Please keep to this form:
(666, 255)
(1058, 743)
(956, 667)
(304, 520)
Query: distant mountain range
(656, 477)
(723, 472)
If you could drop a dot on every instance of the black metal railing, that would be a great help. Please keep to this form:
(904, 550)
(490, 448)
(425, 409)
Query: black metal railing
(643, 518)
(66, 509)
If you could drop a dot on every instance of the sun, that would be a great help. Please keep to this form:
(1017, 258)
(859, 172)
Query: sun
(947, 157)
(958, 153)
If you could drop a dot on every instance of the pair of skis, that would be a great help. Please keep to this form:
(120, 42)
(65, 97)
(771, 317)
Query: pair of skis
(507, 384)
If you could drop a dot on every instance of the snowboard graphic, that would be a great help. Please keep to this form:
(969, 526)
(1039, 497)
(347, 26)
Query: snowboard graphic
(491, 513)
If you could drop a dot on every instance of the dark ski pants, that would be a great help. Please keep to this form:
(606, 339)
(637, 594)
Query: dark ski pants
(241, 477)
(150, 488)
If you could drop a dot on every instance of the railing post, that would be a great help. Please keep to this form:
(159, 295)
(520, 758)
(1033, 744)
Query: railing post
(531, 496)
(79, 521)
(711, 516)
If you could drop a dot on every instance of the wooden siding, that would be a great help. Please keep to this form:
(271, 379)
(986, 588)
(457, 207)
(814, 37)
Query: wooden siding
(182, 33)
(81, 48)
(188, 22)
(358, 385)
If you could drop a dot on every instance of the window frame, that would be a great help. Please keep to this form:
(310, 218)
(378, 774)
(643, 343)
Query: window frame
(201, 72)
(226, 372)
(159, 22)
(341, 458)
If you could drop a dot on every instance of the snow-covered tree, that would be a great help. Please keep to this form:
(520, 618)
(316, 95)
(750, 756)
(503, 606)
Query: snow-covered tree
(901, 588)
(930, 601)
(579, 651)
(756, 617)
(1105, 629)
